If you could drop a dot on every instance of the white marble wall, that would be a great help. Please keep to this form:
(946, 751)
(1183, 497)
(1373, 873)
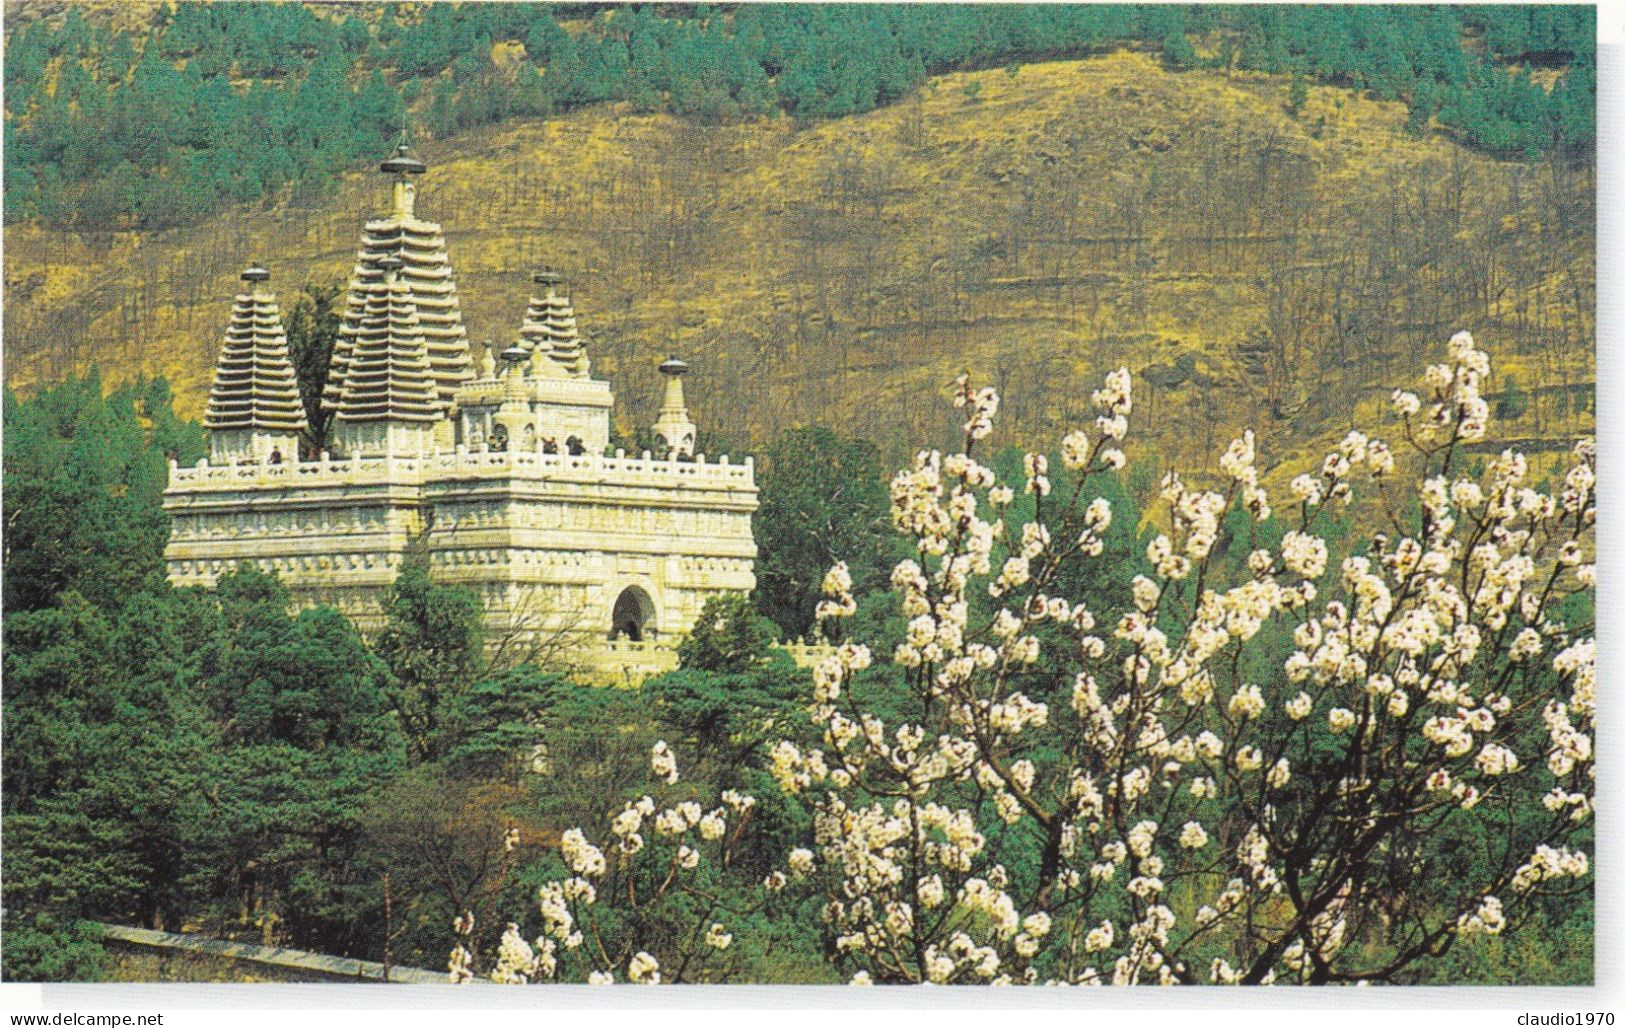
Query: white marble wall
(548, 541)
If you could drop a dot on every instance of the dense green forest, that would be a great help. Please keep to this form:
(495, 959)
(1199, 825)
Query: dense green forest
(226, 102)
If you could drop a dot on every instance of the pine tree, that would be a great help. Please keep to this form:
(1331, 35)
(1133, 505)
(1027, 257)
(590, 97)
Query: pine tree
(1177, 52)
(431, 644)
(1297, 96)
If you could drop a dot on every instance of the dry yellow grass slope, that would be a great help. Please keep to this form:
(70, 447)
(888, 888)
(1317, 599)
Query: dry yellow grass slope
(1036, 227)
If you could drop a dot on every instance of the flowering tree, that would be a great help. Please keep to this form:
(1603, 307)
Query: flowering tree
(645, 906)
(1295, 775)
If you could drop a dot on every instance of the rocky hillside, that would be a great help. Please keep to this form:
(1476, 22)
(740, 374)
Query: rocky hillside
(1036, 226)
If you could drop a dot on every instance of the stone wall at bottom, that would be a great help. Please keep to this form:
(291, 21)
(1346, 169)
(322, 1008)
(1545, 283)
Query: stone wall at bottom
(141, 954)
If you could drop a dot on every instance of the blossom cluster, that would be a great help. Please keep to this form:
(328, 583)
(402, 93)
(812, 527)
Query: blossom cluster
(1408, 642)
(645, 841)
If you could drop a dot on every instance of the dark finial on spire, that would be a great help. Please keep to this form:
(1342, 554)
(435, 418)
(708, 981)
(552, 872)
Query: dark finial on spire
(673, 366)
(403, 161)
(547, 276)
(256, 272)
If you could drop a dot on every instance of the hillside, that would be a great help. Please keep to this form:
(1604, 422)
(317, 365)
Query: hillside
(1036, 226)
(156, 114)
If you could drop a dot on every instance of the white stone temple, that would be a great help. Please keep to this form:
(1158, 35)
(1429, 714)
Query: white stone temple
(496, 470)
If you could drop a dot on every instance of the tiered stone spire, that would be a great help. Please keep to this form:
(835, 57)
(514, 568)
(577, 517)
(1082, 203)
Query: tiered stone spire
(254, 407)
(389, 401)
(550, 327)
(420, 246)
(390, 375)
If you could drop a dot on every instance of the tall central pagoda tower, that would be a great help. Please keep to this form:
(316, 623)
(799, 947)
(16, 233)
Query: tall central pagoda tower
(424, 269)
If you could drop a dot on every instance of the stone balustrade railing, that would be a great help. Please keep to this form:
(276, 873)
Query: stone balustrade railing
(806, 654)
(620, 469)
(625, 662)
(586, 391)
(656, 651)
(664, 652)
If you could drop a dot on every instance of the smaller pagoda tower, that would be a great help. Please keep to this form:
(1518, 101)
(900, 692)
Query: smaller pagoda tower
(514, 423)
(674, 431)
(255, 415)
(549, 329)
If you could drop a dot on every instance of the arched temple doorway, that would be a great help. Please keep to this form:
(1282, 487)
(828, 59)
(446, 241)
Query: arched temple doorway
(633, 616)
